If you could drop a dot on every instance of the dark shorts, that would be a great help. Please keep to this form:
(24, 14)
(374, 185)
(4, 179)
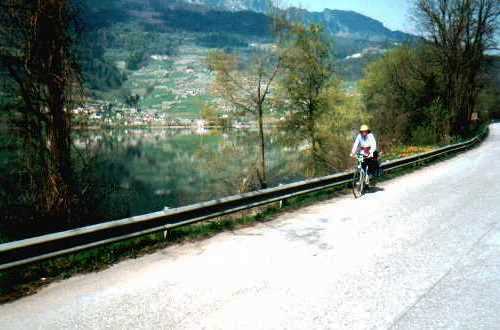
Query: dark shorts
(372, 164)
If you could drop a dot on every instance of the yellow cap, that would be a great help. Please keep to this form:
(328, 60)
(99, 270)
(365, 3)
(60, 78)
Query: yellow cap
(364, 128)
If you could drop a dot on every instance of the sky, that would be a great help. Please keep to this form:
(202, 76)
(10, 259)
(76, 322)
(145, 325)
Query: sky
(394, 14)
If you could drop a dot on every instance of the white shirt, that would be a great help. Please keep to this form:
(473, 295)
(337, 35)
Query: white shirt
(363, 143)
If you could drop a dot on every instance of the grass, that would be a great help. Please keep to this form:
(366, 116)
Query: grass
(189, 108)
(156, 99)
(29, 279)
(404, 151)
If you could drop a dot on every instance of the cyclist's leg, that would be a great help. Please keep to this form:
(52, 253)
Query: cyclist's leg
(365, 165)
(372, 166)
(366, 168)
(375, 164)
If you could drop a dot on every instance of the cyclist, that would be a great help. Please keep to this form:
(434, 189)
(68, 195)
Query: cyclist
(366, 144)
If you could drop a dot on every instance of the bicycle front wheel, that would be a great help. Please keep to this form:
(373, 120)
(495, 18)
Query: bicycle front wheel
(358, 182)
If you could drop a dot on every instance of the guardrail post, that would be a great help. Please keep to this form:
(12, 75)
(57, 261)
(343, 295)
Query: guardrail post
(420, 162)
(165, 232)
(282, 201)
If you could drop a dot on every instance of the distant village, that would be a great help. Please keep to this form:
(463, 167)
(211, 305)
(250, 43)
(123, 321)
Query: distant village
(158, 90)
(107, 114)
(154, 108)
(102, 114)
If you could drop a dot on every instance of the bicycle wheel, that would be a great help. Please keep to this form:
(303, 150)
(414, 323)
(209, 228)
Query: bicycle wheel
(358, 182)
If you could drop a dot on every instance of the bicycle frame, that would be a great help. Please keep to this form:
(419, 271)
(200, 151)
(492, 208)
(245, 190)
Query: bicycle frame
(359, 176)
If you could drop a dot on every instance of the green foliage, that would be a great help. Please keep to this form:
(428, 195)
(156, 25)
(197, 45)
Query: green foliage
(489, 97)
(424, 135)
(308, 63)
(353, 69)
(132, 100)
(101, 75)
(488, 101)
(402, 91)
(135, 59)
(209, 114)
(345, 113)
(220, 40)
(98, 13)
(406, 92)
(307, 84)
(241, 22)
(320, 114)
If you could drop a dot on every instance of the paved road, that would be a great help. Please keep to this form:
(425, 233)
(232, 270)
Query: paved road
(422, 254)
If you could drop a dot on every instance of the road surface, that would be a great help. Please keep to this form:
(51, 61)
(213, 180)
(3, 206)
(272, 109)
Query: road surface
(422, 254)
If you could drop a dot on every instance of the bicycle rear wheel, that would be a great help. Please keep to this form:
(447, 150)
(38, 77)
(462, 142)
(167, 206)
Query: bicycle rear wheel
(358, 183)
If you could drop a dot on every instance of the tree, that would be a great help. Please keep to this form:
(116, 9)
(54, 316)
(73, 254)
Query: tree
(489, 98)
(461, 31)
(135, 59)
(209, 114)
(308, 76)
(402, 91)
(38, 50)
(133, 101)
(247, 86)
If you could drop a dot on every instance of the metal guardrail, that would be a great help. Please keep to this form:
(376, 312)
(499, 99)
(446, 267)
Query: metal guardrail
(30, 250)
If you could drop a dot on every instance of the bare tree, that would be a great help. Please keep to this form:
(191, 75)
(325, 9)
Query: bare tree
(461, 31)
(38, 51)
(247, 87)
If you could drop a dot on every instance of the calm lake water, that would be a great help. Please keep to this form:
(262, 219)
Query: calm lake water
(127, 172)
(146, 170)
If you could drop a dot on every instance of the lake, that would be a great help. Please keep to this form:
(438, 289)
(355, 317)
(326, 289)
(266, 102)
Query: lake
(127, 172)
(147, 170)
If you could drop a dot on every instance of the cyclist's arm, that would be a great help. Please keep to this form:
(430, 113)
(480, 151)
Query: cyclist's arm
(355, 145)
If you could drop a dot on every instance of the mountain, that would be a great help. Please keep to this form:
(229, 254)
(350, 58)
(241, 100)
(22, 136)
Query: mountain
(260, 6)
(246, 23)
(205, 15)
(123, 35)
(340, 23)
(349, 24)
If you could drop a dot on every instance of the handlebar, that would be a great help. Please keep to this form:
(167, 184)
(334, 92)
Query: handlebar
(359, 155)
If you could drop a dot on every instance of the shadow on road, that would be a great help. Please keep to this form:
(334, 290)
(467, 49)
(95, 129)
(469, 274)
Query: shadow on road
(373, 190)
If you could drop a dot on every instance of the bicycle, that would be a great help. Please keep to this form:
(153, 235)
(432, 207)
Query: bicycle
(360, 177)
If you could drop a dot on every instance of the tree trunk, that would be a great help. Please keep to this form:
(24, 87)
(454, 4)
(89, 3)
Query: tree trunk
(60, 185)
(263, 179)
(311, 127)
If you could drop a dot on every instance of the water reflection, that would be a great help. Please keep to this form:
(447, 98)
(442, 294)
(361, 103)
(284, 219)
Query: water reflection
(126, 172)
(145, 170)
